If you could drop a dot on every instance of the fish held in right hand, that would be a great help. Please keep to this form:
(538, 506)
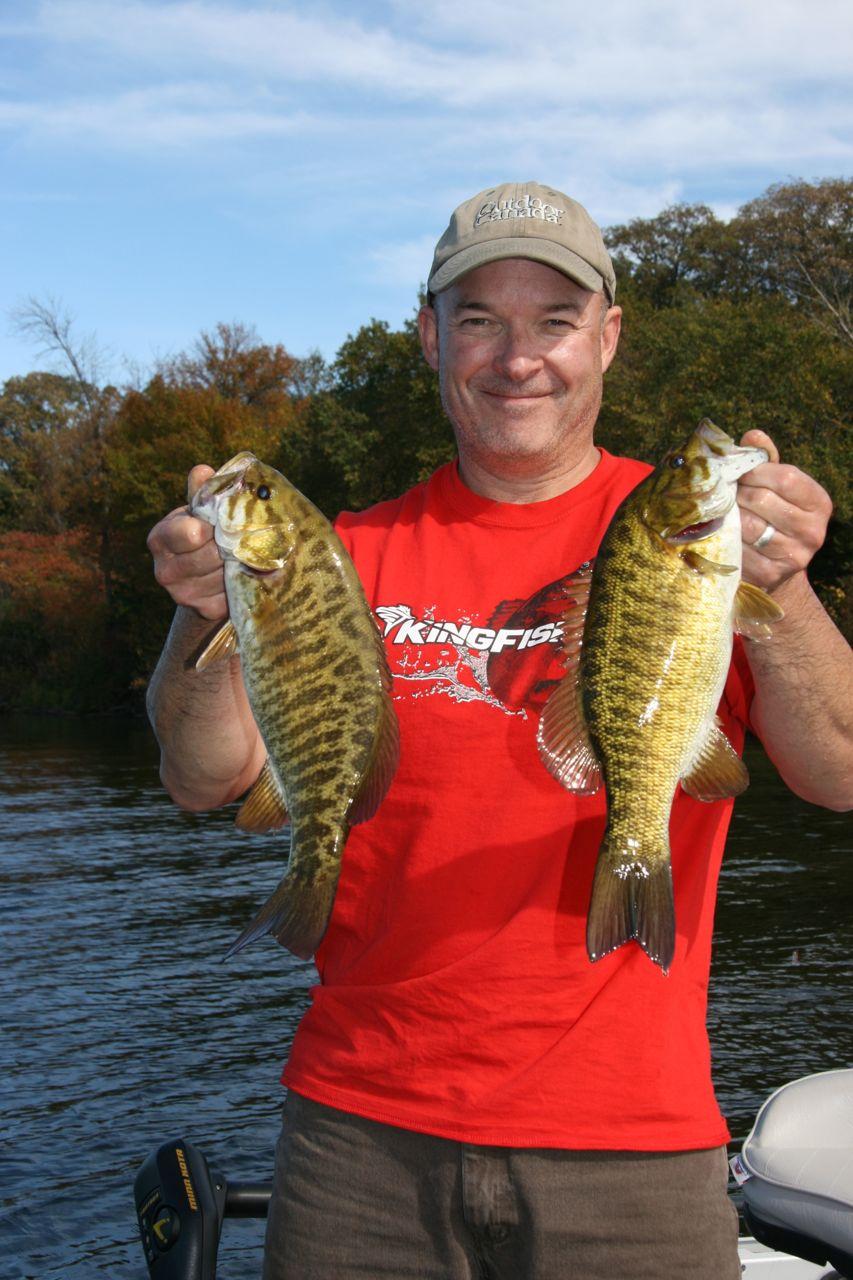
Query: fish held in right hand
(315, 672)
(186, 562)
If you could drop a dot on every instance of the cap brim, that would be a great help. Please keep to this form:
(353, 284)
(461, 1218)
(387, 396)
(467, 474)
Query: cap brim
(539, 250)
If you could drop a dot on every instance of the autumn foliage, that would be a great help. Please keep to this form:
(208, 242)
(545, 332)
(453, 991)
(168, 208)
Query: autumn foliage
(746, 321)
(52, 622)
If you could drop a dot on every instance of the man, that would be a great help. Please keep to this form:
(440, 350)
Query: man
(469, 1095)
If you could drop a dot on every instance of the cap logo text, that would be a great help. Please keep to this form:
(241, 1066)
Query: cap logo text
(524, 207)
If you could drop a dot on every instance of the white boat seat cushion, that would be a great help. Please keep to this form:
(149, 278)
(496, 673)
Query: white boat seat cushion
(800, 1158)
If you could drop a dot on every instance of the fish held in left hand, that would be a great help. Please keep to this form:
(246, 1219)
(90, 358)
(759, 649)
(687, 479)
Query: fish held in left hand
(648, 647)
(317, 679)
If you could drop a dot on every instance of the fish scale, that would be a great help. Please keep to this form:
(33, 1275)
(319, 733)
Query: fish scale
(641, 769)
(636, 709)
(317, 680)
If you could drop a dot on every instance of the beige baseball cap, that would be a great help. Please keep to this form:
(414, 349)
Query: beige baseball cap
(523, 220)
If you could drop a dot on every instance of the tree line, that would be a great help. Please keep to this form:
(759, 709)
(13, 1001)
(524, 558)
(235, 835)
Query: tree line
(746, 321)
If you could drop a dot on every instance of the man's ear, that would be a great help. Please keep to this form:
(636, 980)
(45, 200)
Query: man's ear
(428, 330)
(610, 331)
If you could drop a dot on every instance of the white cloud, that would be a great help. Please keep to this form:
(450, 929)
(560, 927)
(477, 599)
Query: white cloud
(404, 264)
(167, 116)
(655, 91)
(484, 52)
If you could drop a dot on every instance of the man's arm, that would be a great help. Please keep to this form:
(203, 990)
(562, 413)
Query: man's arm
(803, 706)
(210, 747)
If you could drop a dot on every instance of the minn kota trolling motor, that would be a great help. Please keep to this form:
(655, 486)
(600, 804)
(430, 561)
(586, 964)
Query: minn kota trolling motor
(795, 1172)
(180, 1204)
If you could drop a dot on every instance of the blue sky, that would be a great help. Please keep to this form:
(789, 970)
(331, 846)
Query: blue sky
(167, 165)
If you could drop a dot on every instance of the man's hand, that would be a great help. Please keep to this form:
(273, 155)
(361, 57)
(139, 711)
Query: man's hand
(795, 505)
(186, 559)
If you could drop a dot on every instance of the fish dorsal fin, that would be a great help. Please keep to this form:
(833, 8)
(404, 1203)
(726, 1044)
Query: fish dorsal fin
(223, 645)
(386, 748)
(717, 770)
(378, 778)
(574, 617)
(264, 548)
(699, 564)
(754, 611)
(264, 807)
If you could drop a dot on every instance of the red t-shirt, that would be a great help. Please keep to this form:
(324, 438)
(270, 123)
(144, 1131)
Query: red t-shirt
(456, 997)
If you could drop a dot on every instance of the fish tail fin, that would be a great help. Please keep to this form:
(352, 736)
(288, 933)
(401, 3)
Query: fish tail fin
(296, 914)
(632, 900)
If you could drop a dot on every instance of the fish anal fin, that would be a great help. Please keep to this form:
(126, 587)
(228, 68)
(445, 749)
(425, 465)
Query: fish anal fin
(382, 767)
(264, 808)
(223, 645)
(716, 770)
(700, 564)
(563, 740)
(632, 900)
(754, 611)
(296, 914)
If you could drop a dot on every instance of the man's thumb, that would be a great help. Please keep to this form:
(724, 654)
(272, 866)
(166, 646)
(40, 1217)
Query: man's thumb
(196, 479)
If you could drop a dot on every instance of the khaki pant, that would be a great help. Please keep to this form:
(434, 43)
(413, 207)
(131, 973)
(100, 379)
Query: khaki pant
(353, 1198)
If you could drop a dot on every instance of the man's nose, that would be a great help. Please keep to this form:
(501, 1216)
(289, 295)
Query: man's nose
(518, 358)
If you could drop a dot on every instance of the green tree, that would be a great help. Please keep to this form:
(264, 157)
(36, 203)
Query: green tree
(759, 363)
(230, 393)
(42, 426)
(795, 242)
(379, 428)
(798, 238)
(679, 250)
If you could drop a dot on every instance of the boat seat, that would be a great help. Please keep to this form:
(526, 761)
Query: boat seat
(799, 1158)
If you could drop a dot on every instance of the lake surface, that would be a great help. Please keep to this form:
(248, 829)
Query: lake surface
(121, 1027)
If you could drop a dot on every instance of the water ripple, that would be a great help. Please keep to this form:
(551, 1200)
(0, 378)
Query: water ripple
(122, 1027)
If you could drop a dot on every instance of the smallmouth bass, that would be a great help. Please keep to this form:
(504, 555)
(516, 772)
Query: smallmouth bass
(317, 679)
(648, 647)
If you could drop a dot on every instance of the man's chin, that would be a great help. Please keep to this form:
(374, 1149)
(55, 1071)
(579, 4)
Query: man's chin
(525, 450)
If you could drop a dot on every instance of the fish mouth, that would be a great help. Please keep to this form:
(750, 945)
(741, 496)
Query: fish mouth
(730, 461)
(227, 480)
(695, 532)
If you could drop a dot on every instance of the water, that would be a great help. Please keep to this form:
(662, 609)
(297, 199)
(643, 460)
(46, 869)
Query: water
(120, 1027)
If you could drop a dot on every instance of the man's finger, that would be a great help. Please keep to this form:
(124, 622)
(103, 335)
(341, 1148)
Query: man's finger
(196, 479)
(196, 562)
(177, 533)
(756, 439)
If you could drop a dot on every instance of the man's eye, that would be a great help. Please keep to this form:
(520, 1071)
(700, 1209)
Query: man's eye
(476, 322)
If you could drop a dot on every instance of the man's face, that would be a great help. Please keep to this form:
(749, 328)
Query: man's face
(520, 350)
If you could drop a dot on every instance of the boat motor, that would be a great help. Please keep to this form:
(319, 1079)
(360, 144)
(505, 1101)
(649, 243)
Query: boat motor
(180, 1205)
(796, 1170)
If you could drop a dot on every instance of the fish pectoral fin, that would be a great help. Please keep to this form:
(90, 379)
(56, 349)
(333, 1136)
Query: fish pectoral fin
(754, 611)
(564, 743)
(264, 808)
(382, 768)
(264, 549)
(717, 770)
(699, 564)
(223, 645)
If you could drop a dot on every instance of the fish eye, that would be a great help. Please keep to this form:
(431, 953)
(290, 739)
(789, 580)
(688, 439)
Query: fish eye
(678, 461)
(263, 492)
